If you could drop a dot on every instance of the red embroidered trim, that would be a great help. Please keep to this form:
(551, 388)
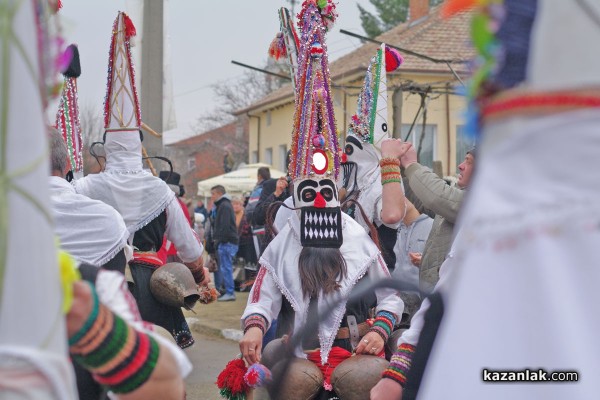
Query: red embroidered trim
(539, 103)
(147, 258)
(257, 284)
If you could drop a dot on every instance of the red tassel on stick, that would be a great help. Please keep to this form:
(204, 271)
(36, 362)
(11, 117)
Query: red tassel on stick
(129, 27)
(277, 48)
(231, 380)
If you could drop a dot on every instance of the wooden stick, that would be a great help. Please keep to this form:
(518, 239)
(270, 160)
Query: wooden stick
(150, 130)
(145, 154)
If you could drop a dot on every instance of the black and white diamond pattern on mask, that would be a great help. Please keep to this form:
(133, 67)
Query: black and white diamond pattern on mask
(321, 227)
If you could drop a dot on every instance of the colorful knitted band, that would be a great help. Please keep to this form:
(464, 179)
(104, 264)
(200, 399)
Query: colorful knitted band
(389, 161)
(384, 324)
(390, 170)
(118, 356)
(88, 323)
(255, 320)
(400, 364)
(517, 102)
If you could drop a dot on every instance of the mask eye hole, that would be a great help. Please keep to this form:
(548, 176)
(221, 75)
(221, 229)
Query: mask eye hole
(327, 194)
(384, 127)
(349, 149)
(309, 195)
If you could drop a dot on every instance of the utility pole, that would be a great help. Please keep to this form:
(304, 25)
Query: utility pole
(152, 73)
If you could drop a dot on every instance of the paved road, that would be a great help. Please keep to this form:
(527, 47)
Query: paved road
(209, 356)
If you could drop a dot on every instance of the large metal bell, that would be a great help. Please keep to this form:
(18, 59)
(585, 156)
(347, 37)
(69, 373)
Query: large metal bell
(354, 378)
(174, 285)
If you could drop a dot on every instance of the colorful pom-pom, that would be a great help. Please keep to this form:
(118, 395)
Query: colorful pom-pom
(316, 51)
(129, 27)
(231, 380)
(318, 141)
(393, 59)
(257, 375)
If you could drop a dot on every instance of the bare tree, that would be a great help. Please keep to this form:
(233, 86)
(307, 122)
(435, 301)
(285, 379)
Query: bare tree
(91, 131)
(230, 96)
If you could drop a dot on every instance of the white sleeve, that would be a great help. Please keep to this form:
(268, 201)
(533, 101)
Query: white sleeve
(264, 298)
(387, 298)
(180, 233)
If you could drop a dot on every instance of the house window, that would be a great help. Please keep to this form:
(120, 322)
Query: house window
(283, 157)
(191, 163)
(426, 154)
(268, 118)
(269, 156)
(464, 143)
(254, 156)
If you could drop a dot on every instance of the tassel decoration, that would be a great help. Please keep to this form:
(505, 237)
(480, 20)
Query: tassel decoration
(208, 294)
(393, 59)
(231, 380)
(277, 48)
(129, 27)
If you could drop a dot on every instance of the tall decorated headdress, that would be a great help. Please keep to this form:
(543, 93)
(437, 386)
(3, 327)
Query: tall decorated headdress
(121, 104)
(315, 160)
(369, 127)
(33, 349)
(67, 118)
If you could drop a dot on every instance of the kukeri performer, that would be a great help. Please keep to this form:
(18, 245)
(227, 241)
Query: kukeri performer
(320, 254)
(147, 205)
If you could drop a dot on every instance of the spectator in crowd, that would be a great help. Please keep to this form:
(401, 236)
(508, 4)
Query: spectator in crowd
(442, 199)
(225, 240)
(246, 246)
(201, 209)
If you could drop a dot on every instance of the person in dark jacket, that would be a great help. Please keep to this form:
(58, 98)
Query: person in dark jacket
(225, 239)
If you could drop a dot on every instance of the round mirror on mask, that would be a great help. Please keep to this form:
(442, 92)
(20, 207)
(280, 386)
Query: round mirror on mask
(319, 161)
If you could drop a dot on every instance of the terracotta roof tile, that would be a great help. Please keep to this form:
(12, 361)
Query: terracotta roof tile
(433, 36)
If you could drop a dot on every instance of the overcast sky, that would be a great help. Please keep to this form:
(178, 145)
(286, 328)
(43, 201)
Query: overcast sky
(204, 37)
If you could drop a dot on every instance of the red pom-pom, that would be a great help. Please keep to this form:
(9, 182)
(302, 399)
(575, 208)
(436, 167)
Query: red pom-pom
(232, 377)
(344, 158)
(320, 201)
(393, 59)
(58, 5)
(129, 27)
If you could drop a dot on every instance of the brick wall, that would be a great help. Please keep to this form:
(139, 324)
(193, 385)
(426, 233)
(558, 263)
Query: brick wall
(208, 150)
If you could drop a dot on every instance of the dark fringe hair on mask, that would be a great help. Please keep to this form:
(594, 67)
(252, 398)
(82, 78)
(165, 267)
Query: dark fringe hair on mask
(321, 269)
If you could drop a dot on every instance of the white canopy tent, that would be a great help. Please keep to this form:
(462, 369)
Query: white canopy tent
(236, 182)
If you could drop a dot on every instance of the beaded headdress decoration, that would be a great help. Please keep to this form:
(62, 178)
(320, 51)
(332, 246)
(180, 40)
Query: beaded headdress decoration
(67, 117)
(368, 127)
(369, 124)
(121, 104)
(315, 160)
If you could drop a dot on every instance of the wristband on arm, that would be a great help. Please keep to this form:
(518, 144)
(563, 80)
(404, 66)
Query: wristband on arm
(384, 324)
(118, 356)
(400, 364)
(390, 170)
(255, 320)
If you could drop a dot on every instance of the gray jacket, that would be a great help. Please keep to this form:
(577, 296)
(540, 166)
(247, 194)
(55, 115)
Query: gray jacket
(435, 195)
